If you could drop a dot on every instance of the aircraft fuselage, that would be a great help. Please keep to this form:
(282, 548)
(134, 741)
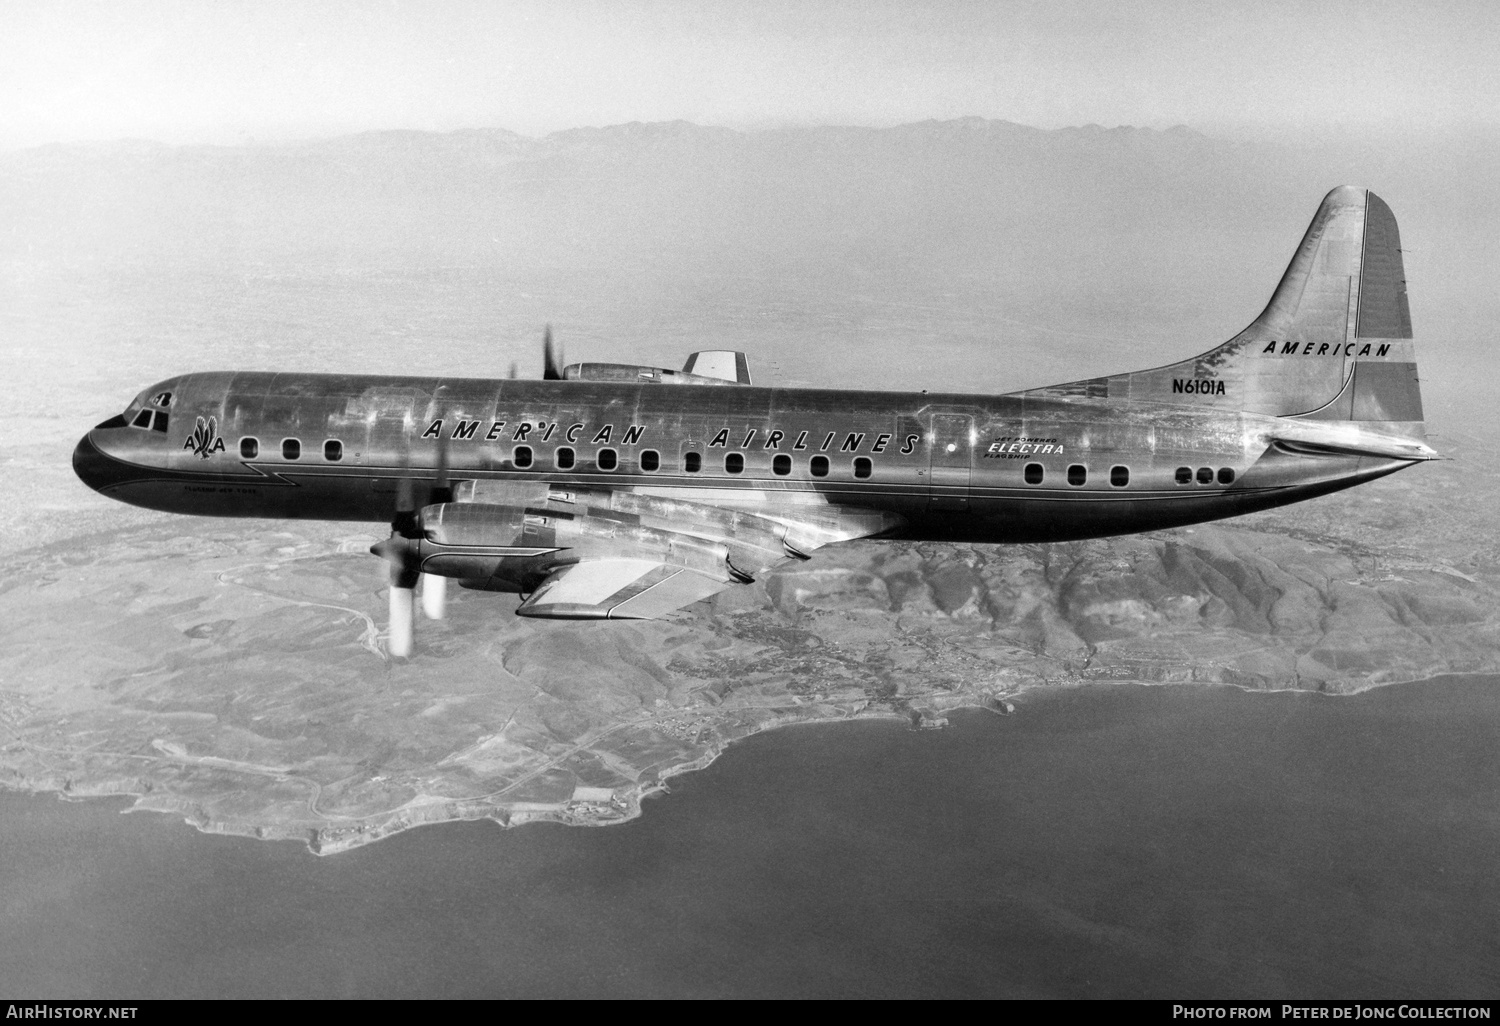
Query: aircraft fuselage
(1017, 468)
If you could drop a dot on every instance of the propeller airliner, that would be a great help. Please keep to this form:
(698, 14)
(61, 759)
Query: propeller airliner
(620, 491)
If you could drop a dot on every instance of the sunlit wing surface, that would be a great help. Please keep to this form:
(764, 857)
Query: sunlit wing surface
(618, 589)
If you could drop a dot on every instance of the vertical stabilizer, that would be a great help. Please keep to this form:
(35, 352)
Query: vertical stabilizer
(1334, 343)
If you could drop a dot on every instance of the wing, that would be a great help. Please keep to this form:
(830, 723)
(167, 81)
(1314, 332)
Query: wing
(618, 589)
(632, 555)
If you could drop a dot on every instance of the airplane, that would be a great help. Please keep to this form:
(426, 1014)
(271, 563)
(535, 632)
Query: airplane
(614, 491)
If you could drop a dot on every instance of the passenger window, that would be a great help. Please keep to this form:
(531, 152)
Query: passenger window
(521, 456)
(1034, 473)
(1077, 474)
(159, 422)
(650, 460)
(249, 448)
(692, 462)
(564, 458)
(734, 463)
(1205, 475)
(142, 419)
(333, 450)
(607, 459)
(862, 467)
(1184, 475)
(818, 466)
(291, 449)
(781, 465)
(1119, 476)
(1226, 476)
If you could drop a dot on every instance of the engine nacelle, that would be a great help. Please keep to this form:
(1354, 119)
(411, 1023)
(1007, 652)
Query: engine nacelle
(513, 548)
(709, 367)
(624, 372)
(497, 548)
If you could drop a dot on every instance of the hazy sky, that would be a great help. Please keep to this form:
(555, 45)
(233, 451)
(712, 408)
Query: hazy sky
(227, 71)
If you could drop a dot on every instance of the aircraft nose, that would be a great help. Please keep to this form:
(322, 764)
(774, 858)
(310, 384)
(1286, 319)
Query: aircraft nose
(91, 465)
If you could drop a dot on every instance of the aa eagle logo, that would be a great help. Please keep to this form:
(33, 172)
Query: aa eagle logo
(205, 440)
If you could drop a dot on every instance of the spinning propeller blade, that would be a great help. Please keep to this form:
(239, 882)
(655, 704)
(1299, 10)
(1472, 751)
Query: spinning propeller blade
(434, 587)
(434, 596)
(403, 576)
(400, 640)
(406, 527)
(551, 362)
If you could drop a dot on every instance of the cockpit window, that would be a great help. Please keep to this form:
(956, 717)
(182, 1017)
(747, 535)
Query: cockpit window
(159, 421)
(162, 399)
(142, 419)
(117, 421)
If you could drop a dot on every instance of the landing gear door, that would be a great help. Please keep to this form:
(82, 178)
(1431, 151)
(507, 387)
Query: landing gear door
(951, 449)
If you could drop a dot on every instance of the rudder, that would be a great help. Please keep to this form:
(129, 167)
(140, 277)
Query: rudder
(1334, 342)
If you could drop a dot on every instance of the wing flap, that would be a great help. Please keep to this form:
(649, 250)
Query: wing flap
(667, 595)
(618, 589)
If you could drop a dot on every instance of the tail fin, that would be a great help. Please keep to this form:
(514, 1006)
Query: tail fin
(1334, 343)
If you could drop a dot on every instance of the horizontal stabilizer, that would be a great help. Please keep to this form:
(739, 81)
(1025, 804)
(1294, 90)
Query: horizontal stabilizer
(1348, 438)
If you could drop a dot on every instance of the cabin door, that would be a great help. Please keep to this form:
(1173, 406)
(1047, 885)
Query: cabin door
(951, 451)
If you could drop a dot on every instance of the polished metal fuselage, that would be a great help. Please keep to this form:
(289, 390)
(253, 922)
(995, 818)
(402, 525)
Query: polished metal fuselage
(949, 466)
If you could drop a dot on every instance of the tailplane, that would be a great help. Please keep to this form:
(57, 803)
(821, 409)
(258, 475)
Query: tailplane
(1334, 343)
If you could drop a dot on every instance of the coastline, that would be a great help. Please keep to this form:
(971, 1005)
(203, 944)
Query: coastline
(1109, 842)
(625, 804)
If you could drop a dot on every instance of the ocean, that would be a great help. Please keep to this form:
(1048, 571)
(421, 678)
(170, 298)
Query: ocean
(1112, 841)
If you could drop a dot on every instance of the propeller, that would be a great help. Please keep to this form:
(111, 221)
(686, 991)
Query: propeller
(401, 613)
(405, 572)
(435, 586)
(404, 576)
(551, 362)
